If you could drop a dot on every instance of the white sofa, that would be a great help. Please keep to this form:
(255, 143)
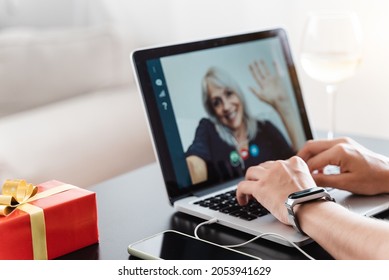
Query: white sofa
(69, 107)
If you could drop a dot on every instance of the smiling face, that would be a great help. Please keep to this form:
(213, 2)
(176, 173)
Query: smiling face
(226, 105)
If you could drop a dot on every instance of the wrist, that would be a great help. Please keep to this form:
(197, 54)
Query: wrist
(302, 210)
(313, 215)
(282, 106)
(385, 181)
(297, 199)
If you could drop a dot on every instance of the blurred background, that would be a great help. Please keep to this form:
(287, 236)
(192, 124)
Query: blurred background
(69, 109)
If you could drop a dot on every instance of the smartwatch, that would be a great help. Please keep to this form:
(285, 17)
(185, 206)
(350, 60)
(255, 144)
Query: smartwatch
(301, 197)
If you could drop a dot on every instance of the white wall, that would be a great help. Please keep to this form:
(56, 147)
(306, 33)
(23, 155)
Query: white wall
(361, 105)
(50, 13)
(362, 101)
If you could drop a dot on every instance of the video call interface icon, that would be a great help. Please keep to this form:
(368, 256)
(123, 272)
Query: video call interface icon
(162, 93)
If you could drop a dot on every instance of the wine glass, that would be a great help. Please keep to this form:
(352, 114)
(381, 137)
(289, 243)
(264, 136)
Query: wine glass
(331, 51)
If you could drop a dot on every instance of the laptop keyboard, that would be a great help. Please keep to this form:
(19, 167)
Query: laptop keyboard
(227, 203)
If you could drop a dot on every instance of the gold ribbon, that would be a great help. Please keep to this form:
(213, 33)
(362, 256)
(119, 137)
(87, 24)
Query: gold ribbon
(16, 194)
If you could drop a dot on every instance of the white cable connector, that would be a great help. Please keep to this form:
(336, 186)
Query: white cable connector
(209, 222)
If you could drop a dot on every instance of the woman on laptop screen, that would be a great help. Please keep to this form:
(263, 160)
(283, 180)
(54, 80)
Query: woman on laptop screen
(230, 140)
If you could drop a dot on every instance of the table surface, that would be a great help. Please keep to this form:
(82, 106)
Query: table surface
(135, 205)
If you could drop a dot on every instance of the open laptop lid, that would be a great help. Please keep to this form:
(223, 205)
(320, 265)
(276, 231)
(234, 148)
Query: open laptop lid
(170, 80)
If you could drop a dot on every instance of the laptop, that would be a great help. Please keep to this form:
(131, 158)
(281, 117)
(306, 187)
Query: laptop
(196, 97)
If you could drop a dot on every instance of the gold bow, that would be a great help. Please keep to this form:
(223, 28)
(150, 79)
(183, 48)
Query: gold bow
(16, 194)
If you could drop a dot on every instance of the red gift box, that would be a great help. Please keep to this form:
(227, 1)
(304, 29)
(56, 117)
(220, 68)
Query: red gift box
(70, 221)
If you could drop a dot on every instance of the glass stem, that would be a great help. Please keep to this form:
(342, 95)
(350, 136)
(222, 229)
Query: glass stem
(331, 91)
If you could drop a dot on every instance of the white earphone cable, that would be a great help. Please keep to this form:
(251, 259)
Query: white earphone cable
(214, 220)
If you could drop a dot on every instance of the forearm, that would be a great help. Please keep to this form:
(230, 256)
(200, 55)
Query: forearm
(197, 169)
(290, 123)
(343, 234)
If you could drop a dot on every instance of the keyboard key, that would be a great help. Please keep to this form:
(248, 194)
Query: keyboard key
(227, 203)
(248, 217)
(230, 209)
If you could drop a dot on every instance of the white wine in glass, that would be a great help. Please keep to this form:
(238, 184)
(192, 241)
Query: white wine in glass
(331, 51)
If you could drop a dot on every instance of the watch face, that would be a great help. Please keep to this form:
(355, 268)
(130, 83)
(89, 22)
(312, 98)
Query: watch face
(306, 192)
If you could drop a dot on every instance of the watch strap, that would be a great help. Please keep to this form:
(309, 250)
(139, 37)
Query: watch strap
(292, 219)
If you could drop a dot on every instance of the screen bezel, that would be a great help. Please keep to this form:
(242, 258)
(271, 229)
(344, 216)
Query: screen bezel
(140, 58)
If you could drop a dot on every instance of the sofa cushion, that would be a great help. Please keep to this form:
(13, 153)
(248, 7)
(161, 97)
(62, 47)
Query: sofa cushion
(42, 66)
(82, 140)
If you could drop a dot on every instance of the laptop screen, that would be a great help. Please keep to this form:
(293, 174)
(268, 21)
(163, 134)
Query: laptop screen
(217, 107)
